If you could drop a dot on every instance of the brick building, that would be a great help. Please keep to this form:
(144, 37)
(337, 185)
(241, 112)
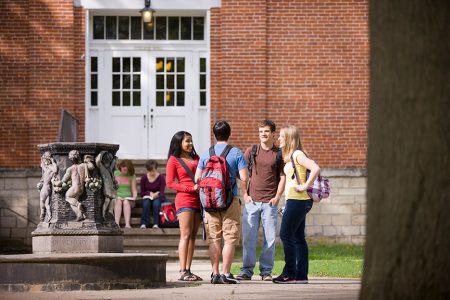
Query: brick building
(299, 62)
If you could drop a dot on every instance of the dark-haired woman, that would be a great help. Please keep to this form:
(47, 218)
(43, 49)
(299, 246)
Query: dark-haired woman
(187, 201)
(153, 186)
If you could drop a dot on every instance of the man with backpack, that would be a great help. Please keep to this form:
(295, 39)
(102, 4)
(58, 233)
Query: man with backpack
(261, 197)
(216, 177)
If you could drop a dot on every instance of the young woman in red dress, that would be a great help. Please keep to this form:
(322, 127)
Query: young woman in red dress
(187, 201)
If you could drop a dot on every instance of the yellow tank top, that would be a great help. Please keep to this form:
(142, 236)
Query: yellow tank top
(291, 182)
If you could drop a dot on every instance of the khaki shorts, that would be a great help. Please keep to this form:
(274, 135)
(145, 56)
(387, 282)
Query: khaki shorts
(226, 224)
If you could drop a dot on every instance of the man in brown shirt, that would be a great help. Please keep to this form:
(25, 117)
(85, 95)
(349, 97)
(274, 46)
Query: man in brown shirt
(261, 199)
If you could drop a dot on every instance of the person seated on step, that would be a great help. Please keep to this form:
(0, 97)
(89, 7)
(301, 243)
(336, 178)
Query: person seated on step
(127, 192)
(153, 185)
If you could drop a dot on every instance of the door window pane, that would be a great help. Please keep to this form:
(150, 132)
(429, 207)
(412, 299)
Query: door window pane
(180, 98)
(170, 65)
(116, 81)
(174, 28)
(126, 98)
(111, 28)
(94, 81)
(136, 98)
(99, 27)
(94, 100)
(94, 64)
(126, 64)
(136, 82)
(202, 98)
(160, 64)
(149, 33)
(159, 98)
(136, 64)
(202, 78)
(180, 82)
(160, 82)
(124, 24)
(170, 100)
(161, 28)
(170, 82)
(126, 81)
(136, 28)
(180, 65)
(116, 99)
(116, 64)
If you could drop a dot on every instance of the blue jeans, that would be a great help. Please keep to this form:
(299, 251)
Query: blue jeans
(292, 234)
(254, 214)
(156, 206)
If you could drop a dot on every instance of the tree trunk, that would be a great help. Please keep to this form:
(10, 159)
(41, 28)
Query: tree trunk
(407, 252)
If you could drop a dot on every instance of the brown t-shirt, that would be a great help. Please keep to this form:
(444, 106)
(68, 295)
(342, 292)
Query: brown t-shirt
(263, 183)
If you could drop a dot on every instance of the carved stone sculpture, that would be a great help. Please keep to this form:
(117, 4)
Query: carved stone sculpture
(76, 174)
(106, 163)
(49, 171)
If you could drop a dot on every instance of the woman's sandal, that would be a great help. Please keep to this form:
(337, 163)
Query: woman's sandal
(188, 276)
(192, 275)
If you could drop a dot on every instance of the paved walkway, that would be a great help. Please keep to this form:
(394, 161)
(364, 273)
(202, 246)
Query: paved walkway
(318, 288)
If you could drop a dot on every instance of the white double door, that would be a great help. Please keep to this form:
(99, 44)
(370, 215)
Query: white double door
(148, 96)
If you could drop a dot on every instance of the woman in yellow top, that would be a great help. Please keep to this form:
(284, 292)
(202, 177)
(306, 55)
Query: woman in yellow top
(298, 204)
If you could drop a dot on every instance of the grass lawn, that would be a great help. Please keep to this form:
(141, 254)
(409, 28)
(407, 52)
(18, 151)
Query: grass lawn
(324, 260)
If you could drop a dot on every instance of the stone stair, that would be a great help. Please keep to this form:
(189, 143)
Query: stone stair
(162, 240)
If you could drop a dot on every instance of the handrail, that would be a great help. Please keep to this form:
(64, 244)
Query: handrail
(28, 220)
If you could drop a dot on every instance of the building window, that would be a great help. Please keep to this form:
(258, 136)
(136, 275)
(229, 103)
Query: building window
(170, 81)
(202, 81)
(126, 81)
(132, 28)
(94, 81)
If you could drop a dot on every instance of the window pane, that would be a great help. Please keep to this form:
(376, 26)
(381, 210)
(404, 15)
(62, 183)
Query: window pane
(170, 99)
(148, 33)
(94, 81)
(161, 28)
(159, 64)
(136, 28)
(186, 32)
(203, 82)
(136, 64)
(116, 82)
(136, 98)
(124, 23)
(180, 65)
(126, 64)
(180, 98)
(160, 82)
(126, 98)
(116, 64)
(174, 28)
(170, 82)
(111, 28)
(99, 27)
(94, 100)
(198, 28)
(136, 82)
(126, 84)
(116, 99)
(170, 67)
(202, 64)
(180, 82)
(202, 98)
(93, 64)
(159, 98)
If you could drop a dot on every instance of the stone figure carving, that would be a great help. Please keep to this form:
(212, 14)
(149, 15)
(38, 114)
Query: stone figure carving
(76, 175)
(49, 171)
(91, 183)
(106, 163)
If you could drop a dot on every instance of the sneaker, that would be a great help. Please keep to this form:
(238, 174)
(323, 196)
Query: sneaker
(215, 279)
(284, 279)
(143, 226)
(228, 279)
(243, 276)
(266, 277)
(155, 226)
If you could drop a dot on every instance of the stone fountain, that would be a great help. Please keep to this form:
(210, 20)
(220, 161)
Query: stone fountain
(77, 245)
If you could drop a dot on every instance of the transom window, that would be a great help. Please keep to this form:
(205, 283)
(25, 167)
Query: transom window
(126, 81)
(170, 78)
(132, 28)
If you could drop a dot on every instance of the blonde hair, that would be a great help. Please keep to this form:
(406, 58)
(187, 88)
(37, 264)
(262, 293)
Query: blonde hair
(292, 142)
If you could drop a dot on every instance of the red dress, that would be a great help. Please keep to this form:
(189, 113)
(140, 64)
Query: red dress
(186, 195)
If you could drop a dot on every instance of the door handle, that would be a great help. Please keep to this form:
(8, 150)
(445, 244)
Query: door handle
(145, 119)
(151, 121)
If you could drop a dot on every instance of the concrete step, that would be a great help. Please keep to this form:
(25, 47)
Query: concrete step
(199, 254)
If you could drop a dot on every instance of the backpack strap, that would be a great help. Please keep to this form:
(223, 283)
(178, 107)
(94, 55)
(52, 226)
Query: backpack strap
(252, 159)
(211, 151)
(183, 164)
(278, 162)
(226, 151)
(295, 169)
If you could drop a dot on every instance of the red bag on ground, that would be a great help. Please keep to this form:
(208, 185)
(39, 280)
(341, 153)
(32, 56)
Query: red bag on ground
(168, 216)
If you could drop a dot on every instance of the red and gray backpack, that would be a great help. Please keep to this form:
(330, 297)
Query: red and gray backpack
(215, 188)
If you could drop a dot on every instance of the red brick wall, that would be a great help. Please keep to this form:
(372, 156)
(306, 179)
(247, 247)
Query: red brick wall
(42, 72)
(302, 63)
